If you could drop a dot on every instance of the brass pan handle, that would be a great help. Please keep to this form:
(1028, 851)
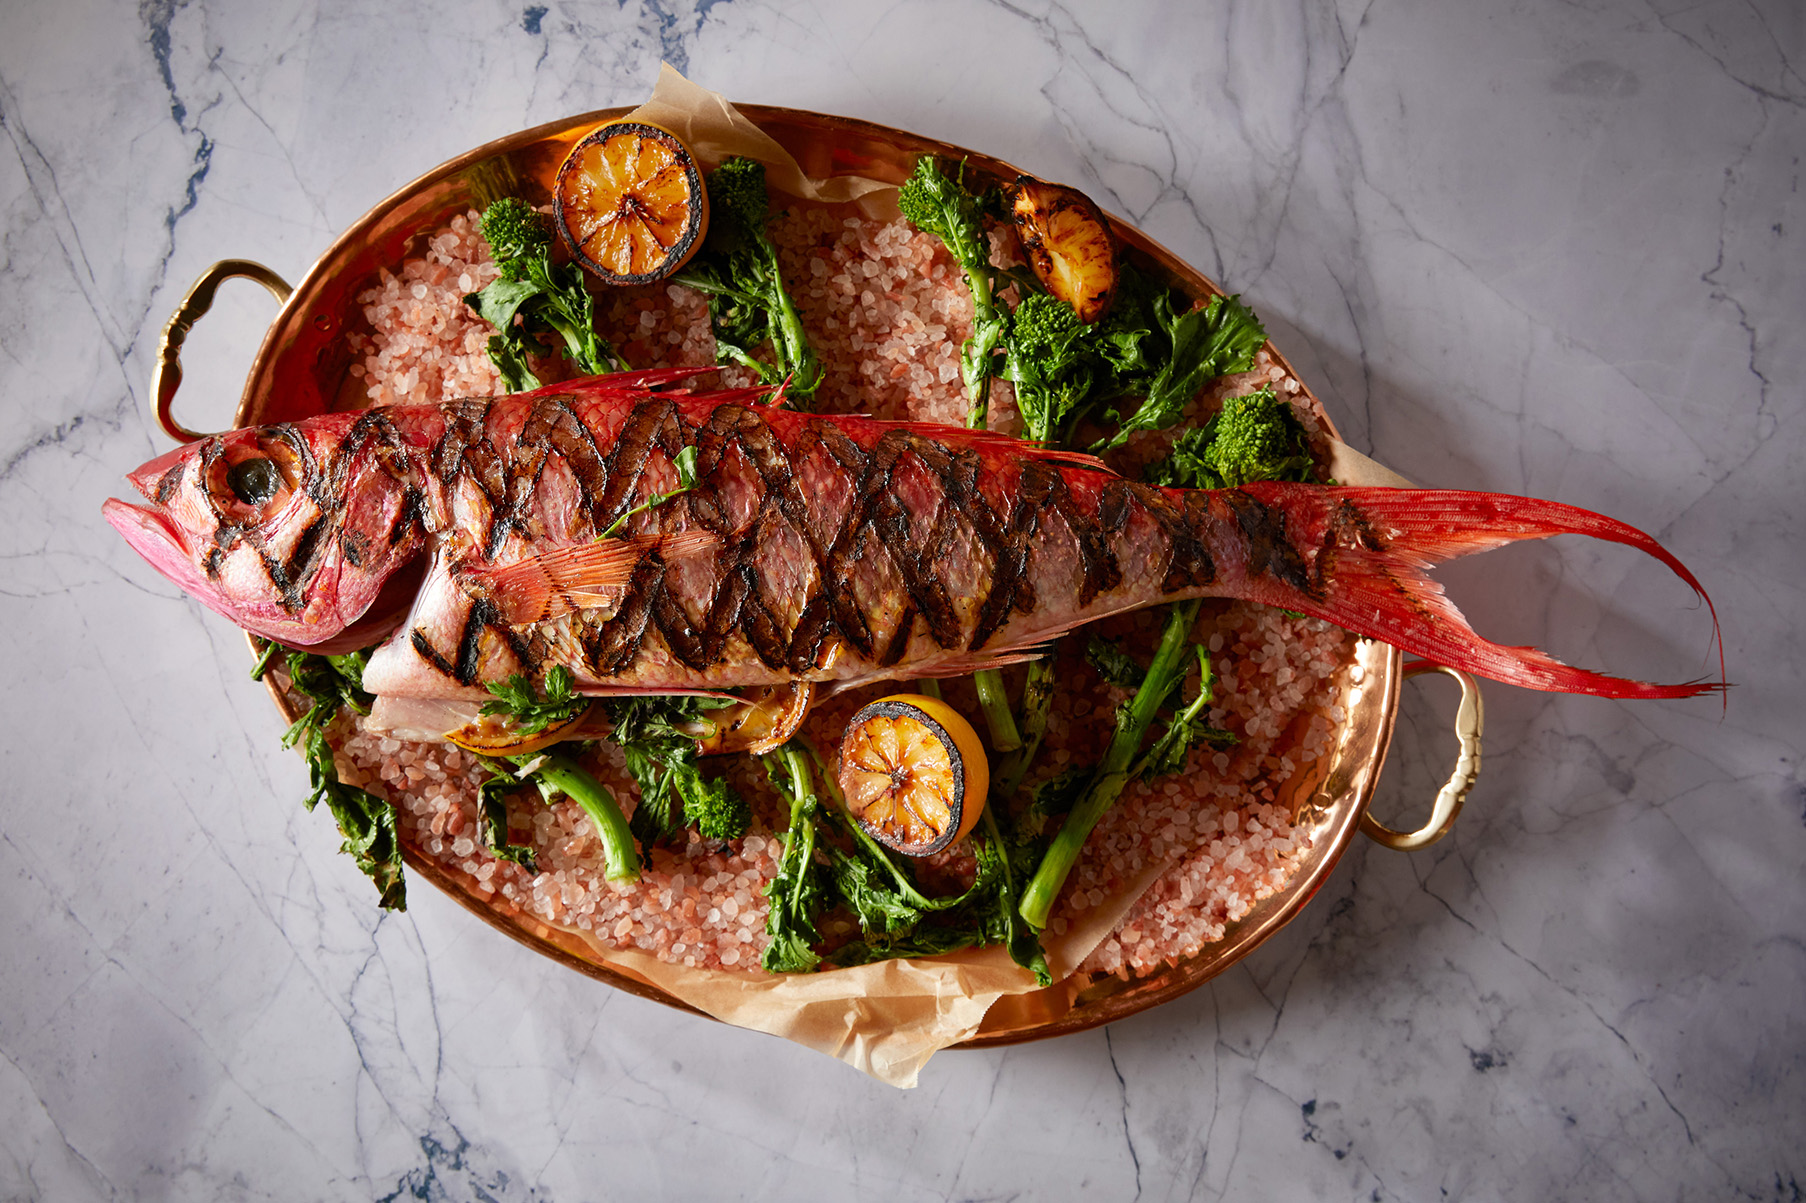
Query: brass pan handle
(1469, 718)
(167, 377)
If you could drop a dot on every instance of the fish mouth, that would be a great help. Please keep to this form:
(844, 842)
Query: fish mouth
(153, 536)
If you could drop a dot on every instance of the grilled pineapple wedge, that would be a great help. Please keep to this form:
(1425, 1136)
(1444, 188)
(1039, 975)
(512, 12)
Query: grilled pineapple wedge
(1068, 243)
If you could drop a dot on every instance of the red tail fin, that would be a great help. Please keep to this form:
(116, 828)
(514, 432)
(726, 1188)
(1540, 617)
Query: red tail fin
(1368, 576)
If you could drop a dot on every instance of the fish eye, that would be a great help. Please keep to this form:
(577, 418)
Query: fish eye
(254, 481)
(249, 481)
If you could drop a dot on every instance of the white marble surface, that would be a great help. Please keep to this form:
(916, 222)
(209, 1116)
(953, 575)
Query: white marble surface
(1532, 246)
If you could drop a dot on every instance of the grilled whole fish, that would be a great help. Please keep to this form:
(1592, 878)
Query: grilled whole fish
(810, 549)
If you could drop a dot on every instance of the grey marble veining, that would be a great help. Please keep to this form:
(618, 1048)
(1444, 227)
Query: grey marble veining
(1532, 247)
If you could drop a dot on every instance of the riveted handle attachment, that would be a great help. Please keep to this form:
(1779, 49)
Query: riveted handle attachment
(1469, 718)
(167, 377)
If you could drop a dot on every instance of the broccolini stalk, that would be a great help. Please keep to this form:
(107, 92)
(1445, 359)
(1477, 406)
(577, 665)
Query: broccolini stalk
(796, 891)
(1037, 702)
(1010, 928)
(738, 269)
(544, 295)
(994, 702)
(1165, 674)
(559, 774)
(939, 204)
(1168, 753)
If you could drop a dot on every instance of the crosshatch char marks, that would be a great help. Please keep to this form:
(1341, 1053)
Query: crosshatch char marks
(295, 527)
(842, 547)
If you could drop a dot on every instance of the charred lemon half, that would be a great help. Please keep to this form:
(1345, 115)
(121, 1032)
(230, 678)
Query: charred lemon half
(630, 203)
(1068, 243)
(914, 773)
(497, 735)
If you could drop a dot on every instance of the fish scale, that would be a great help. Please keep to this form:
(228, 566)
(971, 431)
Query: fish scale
(811, 548)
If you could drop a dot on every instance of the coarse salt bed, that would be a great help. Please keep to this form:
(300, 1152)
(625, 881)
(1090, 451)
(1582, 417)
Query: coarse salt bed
(886, 311)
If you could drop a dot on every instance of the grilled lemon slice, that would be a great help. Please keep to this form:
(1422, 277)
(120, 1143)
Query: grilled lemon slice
(1068, 243)
(496, 735)
(630, 203)
(914, 773)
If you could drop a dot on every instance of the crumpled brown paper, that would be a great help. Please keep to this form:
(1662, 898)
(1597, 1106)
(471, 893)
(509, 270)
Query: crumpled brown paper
(889, 1018)
(886, 1019)
(713, 129)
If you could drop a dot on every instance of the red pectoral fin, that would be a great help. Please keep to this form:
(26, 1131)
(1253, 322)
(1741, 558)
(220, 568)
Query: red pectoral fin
(580, 576)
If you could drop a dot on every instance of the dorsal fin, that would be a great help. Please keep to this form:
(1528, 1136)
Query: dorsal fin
(1007, 444)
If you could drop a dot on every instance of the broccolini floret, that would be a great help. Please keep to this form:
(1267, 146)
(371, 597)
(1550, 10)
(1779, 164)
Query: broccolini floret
(1255, 437)
(1047, 359)
(545, 296)
(717, 810)
(515, 231)
(737, 187)
(940, 204)
(738, 269)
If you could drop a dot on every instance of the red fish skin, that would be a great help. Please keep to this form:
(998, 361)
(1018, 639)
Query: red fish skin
(842, 549)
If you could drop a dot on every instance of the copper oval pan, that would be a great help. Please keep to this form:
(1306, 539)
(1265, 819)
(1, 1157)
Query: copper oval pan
(301, 370)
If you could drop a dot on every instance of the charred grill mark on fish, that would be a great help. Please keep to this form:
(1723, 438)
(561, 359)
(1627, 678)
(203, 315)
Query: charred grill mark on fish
(463, 665)
(1188, 563)
(551, 426)
(1102, 572)
(685, 642)
(292, 576)
(740, 605)
(167, 484)
(423, 647)
(1010, 587)
(892, 654)
(1269, 549)
(612, 649)
(410, 516)
(470, 641)
(463, 452)
(651, 424)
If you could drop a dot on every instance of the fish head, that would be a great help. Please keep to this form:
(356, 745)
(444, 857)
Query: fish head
(295, 532)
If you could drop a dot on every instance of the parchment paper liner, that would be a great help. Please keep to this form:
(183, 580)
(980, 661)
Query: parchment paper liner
(714, 130)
